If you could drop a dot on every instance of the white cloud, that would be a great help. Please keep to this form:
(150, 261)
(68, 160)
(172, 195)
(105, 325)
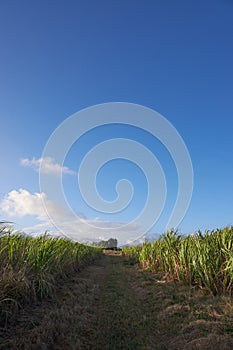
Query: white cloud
(46, 165)
(22, 203)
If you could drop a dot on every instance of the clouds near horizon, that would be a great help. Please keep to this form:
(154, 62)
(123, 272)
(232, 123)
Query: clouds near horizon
(21, 203)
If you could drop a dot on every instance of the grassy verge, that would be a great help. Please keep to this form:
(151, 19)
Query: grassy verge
(31, 268)
(185, 318)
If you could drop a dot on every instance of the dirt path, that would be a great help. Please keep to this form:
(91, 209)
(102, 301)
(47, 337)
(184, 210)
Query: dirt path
(113, 305)
(122, 316)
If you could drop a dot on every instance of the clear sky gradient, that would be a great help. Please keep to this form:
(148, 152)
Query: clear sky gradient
(58, 57)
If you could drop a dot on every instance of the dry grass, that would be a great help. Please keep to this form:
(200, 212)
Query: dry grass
(115, 305)
(31, 268)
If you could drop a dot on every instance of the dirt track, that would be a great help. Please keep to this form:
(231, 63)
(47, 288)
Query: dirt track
(114, 305)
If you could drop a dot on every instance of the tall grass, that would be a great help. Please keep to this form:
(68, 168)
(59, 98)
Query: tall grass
(30, 268)
(203, 259)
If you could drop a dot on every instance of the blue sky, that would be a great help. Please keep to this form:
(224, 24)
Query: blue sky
(58, 57)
